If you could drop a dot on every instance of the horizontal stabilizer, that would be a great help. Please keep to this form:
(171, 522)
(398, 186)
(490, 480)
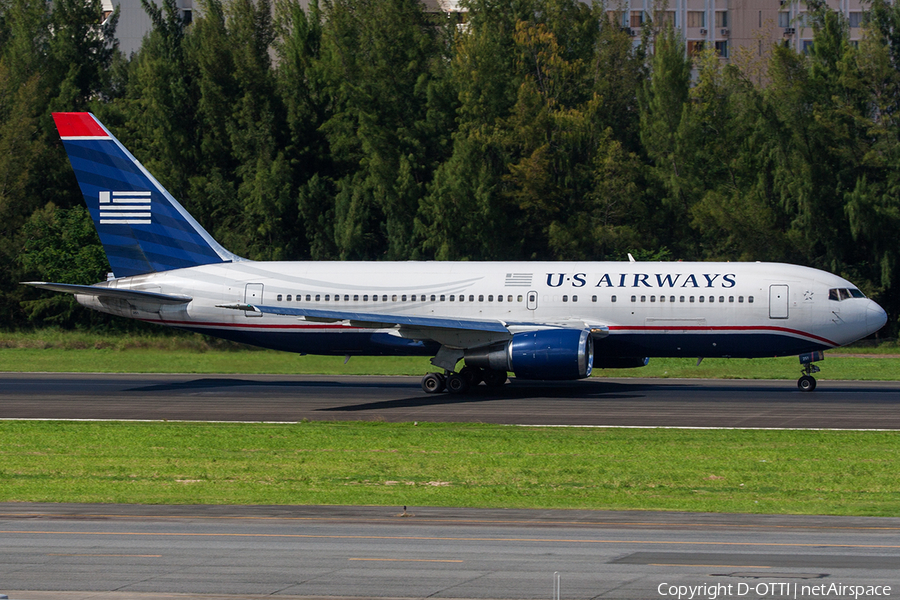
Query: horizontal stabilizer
(98, 290)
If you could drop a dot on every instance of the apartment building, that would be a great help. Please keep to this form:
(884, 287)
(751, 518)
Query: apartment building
(134, 23)
(729, 25)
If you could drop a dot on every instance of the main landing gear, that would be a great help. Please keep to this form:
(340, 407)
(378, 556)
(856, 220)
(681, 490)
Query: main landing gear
(807, 382)
(463, 381)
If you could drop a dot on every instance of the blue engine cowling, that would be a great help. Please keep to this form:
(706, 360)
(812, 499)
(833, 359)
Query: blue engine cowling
(544, 354)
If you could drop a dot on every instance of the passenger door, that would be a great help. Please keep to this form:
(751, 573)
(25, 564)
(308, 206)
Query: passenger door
(253, 294)
(778, 301)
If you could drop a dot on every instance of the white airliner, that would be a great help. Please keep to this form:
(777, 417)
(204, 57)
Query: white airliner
(538, 320)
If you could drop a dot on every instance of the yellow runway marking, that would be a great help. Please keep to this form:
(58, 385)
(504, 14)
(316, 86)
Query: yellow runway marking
(707, 566)
(428, 560)
(108, 555)
(445, 539)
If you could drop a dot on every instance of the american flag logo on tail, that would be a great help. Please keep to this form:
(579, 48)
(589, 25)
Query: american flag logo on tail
(125, 208)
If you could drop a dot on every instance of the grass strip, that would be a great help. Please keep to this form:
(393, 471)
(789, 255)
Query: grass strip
(179, 360)
(54, 350)
(462, 465)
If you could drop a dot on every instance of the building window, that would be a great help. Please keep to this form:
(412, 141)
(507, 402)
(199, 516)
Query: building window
(694, 47)
(806, 46)
(856, 19)
(721, 18)
(784, 19)
(637, 18)
(187, 16)
(696, 18)
(722, 49)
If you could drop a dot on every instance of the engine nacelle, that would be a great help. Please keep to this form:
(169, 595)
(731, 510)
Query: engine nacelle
(544, 354)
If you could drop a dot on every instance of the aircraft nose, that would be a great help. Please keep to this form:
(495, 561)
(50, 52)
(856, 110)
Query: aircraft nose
(875, 317)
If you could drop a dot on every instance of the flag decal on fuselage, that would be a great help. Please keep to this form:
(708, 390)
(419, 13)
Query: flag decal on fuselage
(125, 208)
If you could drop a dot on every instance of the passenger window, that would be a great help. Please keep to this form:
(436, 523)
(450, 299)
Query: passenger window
(384, 297)
(365, 297)
(702, 298)
(662, 298)
(721, 298)
(594, 298)
(317, 297)
(393, 297)
(692, 299)
(499, 298)
(278, 298)
(346, 298)
(672, 299)
(574, 298)
(681, 299)
(712, 298)
(289, 297)
(652, 298)
(490, 298)
(740, 299)
(613, 299)
(643, 298)
(518, 298)
(433, 297)
(307, 297)
(471, 298)
(481, 297)
(327, 297)
(565, 298)
(403, 298)
(634, 298)
(731, 298)
(452, 297)
(750, 299)
(443, 297)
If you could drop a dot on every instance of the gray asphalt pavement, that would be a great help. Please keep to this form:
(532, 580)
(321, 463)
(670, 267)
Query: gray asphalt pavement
(620, 402)
(137, 552)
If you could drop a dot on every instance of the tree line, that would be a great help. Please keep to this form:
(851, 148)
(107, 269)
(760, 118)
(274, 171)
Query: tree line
(371, 130)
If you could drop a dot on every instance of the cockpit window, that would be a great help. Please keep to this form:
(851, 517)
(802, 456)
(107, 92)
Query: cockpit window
(844, 294)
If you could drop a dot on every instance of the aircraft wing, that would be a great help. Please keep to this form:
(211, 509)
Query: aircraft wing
(453, 332)
(95, 290)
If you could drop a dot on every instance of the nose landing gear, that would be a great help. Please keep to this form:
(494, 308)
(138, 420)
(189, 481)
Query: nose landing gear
(807, 382)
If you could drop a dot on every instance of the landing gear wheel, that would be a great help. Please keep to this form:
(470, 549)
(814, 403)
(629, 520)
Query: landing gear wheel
(494, 378)
(457, 384)
(433, 383)
(472, 375)
(807, 383)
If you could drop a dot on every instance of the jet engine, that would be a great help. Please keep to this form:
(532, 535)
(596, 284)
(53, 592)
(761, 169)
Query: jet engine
(544, 354)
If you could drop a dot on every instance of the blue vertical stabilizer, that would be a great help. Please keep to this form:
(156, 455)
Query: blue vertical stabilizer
(142, 227)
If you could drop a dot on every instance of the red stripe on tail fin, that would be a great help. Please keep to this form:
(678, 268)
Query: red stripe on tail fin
(78, 125)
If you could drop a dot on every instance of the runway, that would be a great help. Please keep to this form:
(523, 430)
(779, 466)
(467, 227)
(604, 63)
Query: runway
(599, 402)
(124, 552)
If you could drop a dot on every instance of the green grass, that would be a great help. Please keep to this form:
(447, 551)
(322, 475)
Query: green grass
(470, 465)
(59, 351)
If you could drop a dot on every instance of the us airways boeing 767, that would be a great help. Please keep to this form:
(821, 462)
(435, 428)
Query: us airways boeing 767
(537, 320)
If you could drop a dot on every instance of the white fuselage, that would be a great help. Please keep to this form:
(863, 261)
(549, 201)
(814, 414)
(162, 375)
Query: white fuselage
(651, 308)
